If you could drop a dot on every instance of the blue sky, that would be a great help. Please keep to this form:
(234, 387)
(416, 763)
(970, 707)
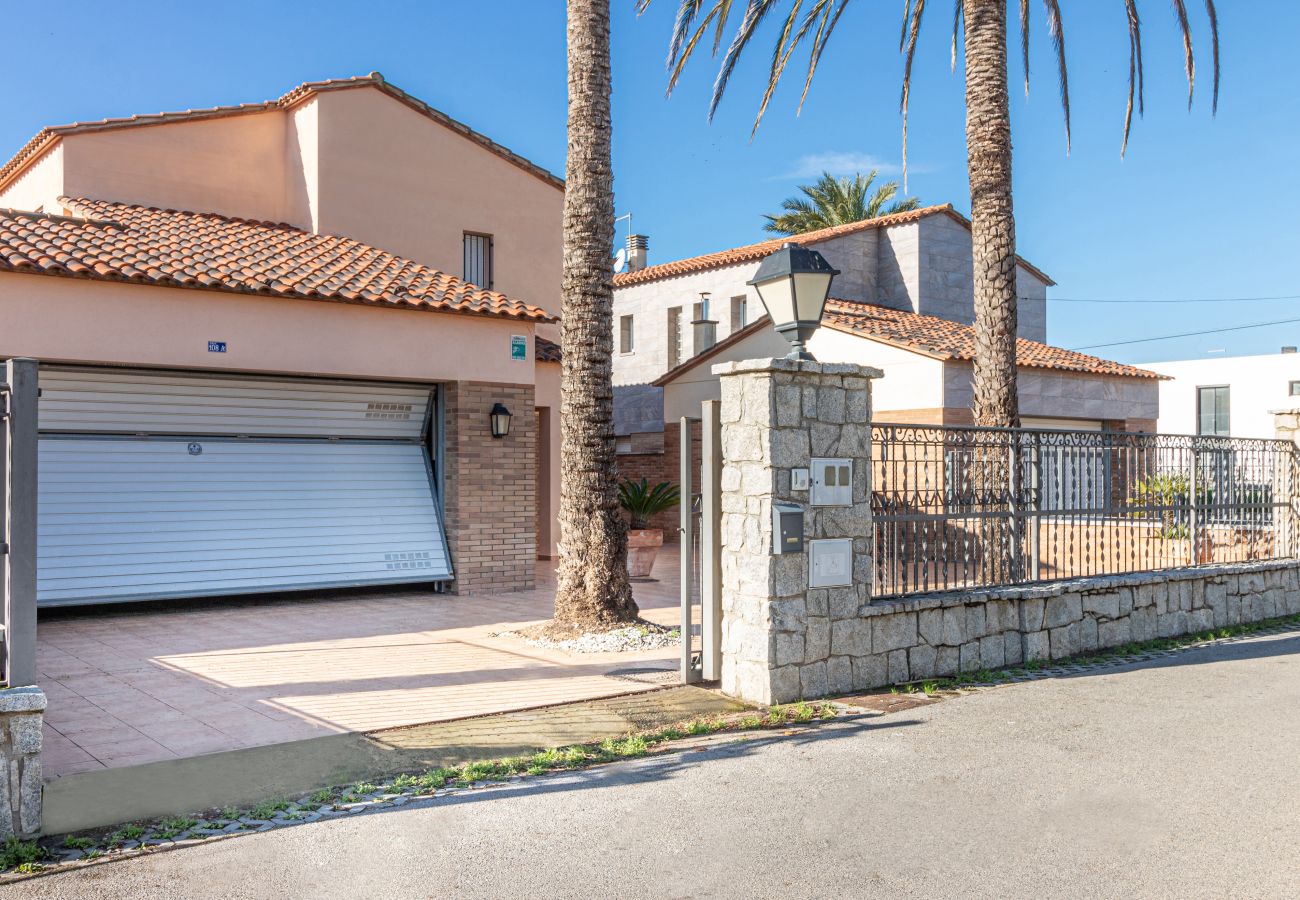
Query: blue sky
(1202, 207)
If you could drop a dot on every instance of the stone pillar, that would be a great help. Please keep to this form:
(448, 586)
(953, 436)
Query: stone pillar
(20, 756)
(782, 641)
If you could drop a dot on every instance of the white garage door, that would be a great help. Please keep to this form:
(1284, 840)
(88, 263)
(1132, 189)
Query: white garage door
(156, 486)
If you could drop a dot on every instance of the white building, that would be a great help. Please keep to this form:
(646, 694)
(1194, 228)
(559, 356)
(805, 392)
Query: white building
(1232, 396)
(917, 261)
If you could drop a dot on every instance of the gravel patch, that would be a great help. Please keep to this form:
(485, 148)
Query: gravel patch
(646, 636)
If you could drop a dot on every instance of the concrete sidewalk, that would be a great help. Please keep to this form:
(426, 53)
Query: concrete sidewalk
(251, 776)
(1174, 778)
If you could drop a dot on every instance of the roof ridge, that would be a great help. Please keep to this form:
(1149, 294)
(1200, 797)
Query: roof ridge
(200, 214)
(47, 135)
(747, 252)
(15, 213)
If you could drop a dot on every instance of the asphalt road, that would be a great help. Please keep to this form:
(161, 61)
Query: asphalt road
(1176, 779)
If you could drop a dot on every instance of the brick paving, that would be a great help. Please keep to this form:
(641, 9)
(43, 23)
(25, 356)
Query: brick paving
(135, 685)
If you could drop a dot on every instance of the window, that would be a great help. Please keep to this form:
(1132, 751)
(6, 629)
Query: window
(1212, 409)
(1294, 389)
(674, 337)
(739, 314)
(626, 335)
(478, 259)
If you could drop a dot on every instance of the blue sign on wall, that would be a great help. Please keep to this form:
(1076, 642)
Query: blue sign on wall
(216, 346)
(518, 347)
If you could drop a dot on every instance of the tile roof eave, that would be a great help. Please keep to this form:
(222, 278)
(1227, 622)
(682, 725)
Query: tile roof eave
(6, 269)
(949, 356)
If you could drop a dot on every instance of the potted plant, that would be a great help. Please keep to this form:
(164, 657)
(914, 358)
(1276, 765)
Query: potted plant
(643, 502)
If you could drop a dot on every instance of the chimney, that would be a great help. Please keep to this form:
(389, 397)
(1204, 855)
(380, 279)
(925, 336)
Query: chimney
(704, 327)
(637, 247)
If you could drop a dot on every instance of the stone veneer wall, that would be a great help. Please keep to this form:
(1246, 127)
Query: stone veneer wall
(20, 758)
(922, 637)
(490, 487)
(777, 634)
(783, 641)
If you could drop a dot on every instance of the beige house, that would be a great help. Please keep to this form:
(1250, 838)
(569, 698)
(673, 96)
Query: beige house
(927, 363)
(271, 344)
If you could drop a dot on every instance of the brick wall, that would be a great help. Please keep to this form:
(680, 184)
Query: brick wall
(490, 487)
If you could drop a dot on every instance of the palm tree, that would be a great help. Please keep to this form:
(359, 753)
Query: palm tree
(592, 588)
(982, 24)
(837, 201)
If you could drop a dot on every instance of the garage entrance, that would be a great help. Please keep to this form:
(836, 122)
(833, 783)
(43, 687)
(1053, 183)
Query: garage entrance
(168, 485)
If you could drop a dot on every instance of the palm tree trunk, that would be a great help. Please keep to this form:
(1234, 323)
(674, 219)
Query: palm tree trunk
(592, 582)
(993, 226)
(993, 236)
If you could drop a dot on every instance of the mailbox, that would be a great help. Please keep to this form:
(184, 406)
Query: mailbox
(787, 528)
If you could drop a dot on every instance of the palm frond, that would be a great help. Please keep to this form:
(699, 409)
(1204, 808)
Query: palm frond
(902, 32)
(915, 30)
(1214, 39)
(785, 44)
(679, 52)
(1057, 31)
(1134, 69)
(958, 10)
(837, 201)
(1024, 41)
(1180, 12)
(724, 13)
(824, 31)
(686, 15)
(755, 12)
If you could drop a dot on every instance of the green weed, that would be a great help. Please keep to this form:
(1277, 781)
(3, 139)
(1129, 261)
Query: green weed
(25, 856)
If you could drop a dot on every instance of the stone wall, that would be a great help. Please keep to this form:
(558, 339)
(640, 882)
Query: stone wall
(923, 637)
(783, 640)
(20, 756)
(778, 636)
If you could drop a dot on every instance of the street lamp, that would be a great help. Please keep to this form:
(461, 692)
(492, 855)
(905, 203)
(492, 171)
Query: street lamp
(793, 284)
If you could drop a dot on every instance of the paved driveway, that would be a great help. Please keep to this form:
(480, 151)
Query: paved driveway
(1178, 779)
(139, 684)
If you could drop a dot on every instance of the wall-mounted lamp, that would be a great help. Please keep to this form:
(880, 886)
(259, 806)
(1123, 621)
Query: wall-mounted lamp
(793, 283)
(500, 419)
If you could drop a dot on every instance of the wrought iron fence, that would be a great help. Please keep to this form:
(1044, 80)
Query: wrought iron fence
(965, 507)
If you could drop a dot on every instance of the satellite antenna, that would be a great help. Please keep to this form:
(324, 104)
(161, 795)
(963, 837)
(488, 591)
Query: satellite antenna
(620, 260)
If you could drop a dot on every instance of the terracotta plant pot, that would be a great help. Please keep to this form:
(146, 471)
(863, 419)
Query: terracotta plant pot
(642, 547)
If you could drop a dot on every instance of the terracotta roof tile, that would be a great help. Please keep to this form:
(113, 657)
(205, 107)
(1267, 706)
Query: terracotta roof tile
(752, 252)
(46, 137)
(927, 335)
(942, 339)
(120, 242)
(546, 351)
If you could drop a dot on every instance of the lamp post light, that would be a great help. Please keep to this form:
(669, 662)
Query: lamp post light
(500, 419)
(793, 284)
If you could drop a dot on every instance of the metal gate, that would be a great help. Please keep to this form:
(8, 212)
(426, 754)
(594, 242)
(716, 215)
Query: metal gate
(18, 393)
(701, 543)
